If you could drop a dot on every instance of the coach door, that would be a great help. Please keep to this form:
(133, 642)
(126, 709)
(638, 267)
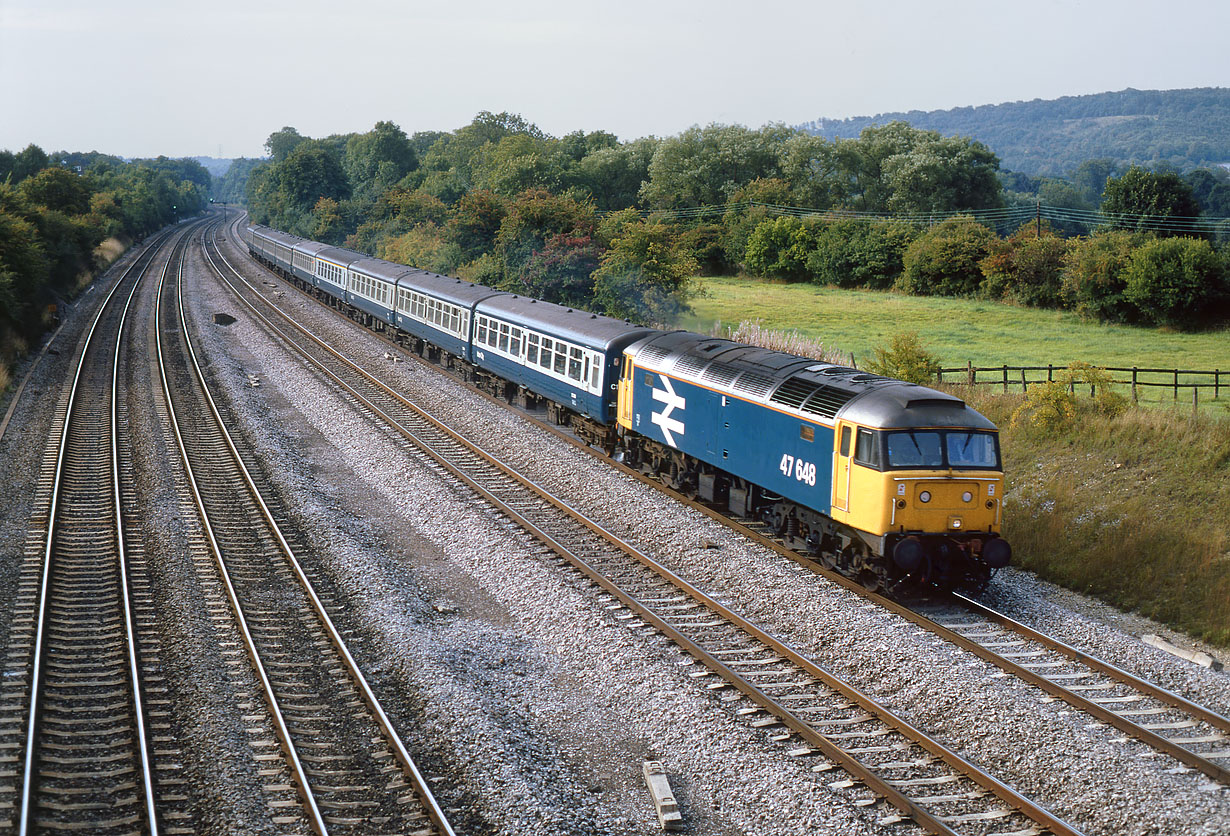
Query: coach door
(842, 452)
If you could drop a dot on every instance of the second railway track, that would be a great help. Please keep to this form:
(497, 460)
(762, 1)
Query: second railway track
(349, 765)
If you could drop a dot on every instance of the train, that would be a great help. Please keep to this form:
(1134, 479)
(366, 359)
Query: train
(888, 482)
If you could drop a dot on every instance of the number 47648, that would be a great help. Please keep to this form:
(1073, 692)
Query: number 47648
(803, 471)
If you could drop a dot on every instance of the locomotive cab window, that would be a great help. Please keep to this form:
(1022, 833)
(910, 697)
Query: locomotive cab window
(867, 449)
(845, 441)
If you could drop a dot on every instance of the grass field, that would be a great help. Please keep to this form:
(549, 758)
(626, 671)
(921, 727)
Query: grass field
(958, 330)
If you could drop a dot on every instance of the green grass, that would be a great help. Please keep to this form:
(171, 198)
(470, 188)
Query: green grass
(958, 330)
(1134, 509)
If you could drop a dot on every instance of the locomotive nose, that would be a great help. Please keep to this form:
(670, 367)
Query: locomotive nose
(997, 553)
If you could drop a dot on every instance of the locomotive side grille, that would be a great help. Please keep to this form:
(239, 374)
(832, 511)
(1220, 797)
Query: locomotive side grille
(793, 392)
(751, 383)
(826, 401)
(721, 374)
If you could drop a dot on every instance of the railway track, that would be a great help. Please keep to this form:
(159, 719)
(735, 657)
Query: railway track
(1196, 736)
(779, 690)
(84, 650)
(350, 770)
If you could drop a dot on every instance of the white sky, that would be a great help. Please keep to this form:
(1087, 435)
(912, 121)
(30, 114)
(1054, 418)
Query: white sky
(149, 77)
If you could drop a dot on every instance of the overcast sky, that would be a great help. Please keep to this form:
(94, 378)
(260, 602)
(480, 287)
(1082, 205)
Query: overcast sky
(149, 77)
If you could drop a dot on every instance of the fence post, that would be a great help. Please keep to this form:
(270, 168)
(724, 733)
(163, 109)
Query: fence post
(1005, 378)
(1176, 385)
(1134, 398)
(1050, 370)
(1216, 383)
(1195, 399)
(1024, 383)
(969, 370)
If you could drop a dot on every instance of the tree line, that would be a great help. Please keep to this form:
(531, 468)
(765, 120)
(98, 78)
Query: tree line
(589, 221)
(500, 202)
(55, 211)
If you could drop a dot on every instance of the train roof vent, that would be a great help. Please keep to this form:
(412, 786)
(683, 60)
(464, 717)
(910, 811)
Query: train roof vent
(867, 378)
(652, 354)
(916, 403)
(751, 383)
(827, 401)
(837, 370)
(690, 364)
(793, 392)
(720, 374)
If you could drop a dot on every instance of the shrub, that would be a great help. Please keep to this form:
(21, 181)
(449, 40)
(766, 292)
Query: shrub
(944, 260)
(857, 253)
(780, 247)
(905, 358)
(1093, 276)
(643, 276)
(1176, 281)
(1025, 268)
(1048, 406)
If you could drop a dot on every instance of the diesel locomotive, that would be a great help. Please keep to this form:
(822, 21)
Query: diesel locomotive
(882, 480)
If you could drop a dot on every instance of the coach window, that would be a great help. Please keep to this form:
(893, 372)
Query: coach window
(574, 364)
(503, 345)
(595, 369)
(531, 349)
(561, 358)
(867, 450)
(514, 346)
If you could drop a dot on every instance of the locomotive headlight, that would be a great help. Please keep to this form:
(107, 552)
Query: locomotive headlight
(967, 496)
(925, 496)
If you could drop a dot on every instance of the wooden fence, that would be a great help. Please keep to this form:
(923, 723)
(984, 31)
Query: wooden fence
(1134, 377)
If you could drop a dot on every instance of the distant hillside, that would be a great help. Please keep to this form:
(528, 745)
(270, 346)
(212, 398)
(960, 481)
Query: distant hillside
(1184, 128)
(216, 167)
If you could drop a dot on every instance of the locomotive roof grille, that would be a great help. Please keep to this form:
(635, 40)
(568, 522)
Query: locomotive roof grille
(751, 383)
(653, 353)
(793, 392)
(827, 401)
(720, 374)
(690, 364)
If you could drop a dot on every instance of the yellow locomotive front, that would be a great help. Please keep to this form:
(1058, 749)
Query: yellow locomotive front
(919, 474)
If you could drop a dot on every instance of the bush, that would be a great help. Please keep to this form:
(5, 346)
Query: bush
(1093, 276)
(944, 260)
(856, 253)
(780, 247)
(906, 359)
(1176, 281)
(1026, 268)
(1049, 406)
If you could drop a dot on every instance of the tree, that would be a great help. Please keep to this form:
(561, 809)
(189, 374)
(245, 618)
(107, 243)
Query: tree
(377, 160)
(562, 271)
(1179, 282)
(532, 218)
(1157, 195)
(475, 222)
(28, 162)
(613, 176)
(945, 259)
(281, 143)
(1026, 268)
(58, 189)
(644, 277)
(858, 253)
(780, 247)
(905, 358)
(1094, 275)
(704, 166)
